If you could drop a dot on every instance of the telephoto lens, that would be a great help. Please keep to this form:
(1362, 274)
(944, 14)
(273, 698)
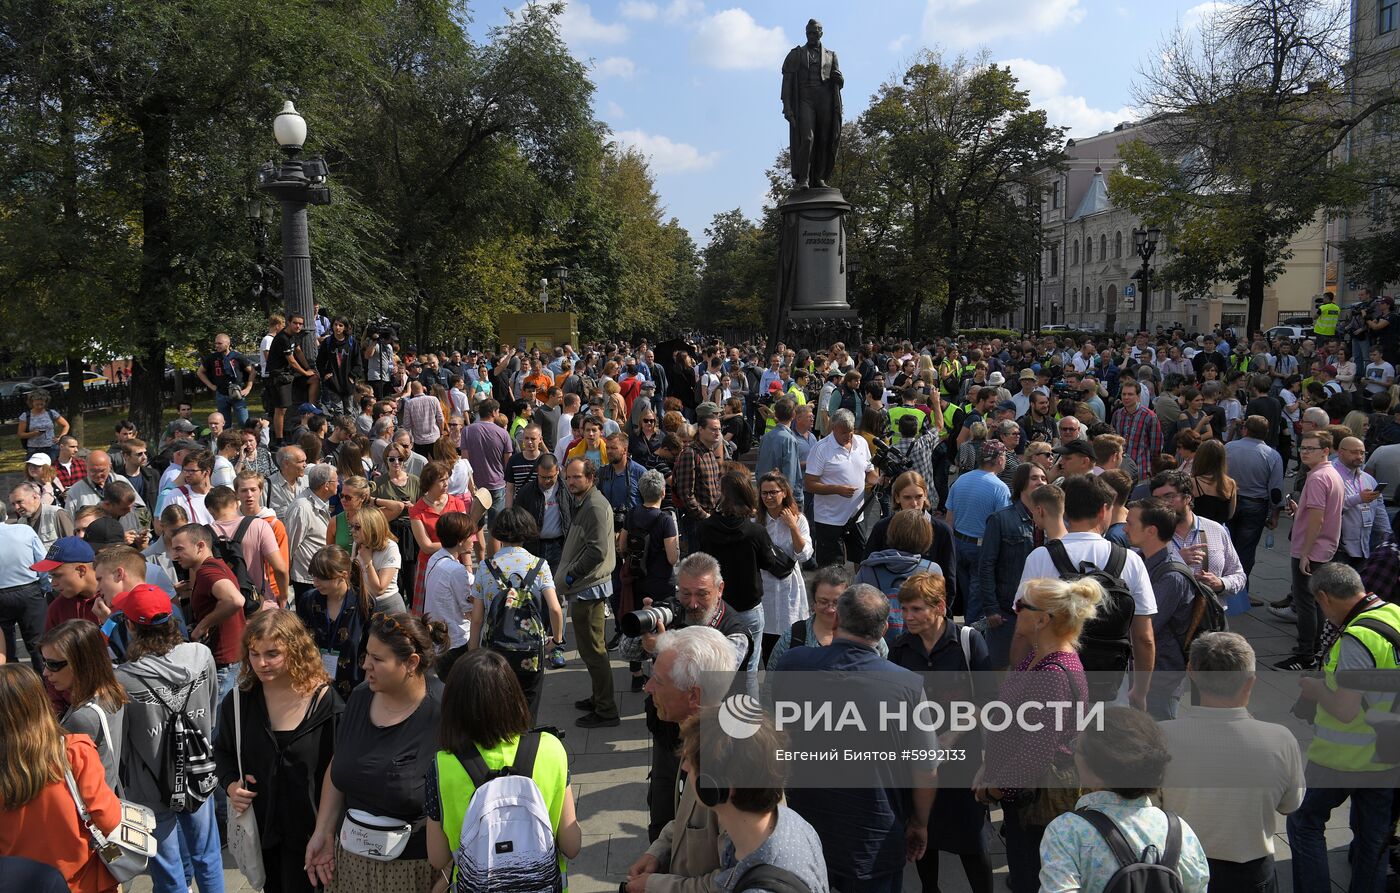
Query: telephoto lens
(645, 621)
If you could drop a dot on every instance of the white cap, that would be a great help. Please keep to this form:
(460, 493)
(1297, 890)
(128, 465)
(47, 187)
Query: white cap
(40, 459)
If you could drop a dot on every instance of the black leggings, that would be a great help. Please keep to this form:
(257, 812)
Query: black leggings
(977, 867)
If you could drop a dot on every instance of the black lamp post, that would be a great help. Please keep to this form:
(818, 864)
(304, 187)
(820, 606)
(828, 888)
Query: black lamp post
(1145, 245)
(296, 184)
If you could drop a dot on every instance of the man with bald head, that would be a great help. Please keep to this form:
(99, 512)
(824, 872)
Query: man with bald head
(229, 376)
(88, 491)
(1361, 505)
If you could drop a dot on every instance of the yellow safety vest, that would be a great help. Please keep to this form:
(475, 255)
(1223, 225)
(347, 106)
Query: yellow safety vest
(1351, 746)
(1327, 316)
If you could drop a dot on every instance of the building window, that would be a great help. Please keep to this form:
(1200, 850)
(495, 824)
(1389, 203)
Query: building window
(1055, 195)
(1103, 248)
(1055, 260)
(1088, 254)
(1118, 244)
(1076, 253)
(1101, 299)
(1074, 300)
(1113, 299)
(1388, 16)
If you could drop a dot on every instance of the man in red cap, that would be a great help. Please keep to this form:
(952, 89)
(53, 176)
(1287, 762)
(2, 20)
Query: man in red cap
(144, 605)
(69, 566)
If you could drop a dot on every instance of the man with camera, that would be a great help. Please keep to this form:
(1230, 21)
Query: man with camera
(699, 603)
(229, 376)
(379, 357)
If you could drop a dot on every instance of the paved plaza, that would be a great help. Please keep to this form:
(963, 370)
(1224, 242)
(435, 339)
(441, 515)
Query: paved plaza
(609, 766)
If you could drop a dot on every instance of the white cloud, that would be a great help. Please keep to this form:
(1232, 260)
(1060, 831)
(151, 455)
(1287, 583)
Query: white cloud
(613, 110)
(638, 10)
(733, 40)
(665, 155)
(617, 67)
(577, 25)
(897, 45)
(678, 10)
(1202, 13)
(1046, 85)
(964, 23)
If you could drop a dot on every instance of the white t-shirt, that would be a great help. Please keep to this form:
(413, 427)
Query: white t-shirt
(190, 501)
(1376, 376)
(834, 464)
(461, 480)
(388, 556)
(447, 596)
(1094, 549)
(224, 473)
(263, 347)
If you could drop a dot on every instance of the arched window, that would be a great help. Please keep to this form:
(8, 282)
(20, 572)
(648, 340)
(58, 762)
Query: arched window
(1113, 299)
(1074, 295)
(1088, 254)
(1076, 252)
(1101, 299)
(1103, 247)
(1118, 244)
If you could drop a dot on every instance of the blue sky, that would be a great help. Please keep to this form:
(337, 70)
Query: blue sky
(694, 84)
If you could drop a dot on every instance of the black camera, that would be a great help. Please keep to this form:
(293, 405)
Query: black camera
(889, 461)
(382, 330)
(645, 621)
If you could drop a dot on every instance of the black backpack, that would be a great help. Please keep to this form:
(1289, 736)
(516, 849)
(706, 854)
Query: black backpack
(1207, 614)
(638, 550)
(514, 622)
(1106, 642)
(187, 775)
(770, 877)
(1147, 872)
(229, 550)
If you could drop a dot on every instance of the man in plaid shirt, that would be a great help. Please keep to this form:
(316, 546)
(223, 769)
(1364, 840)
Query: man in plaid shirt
(1138, 427)
(696, 482)
(69, 468)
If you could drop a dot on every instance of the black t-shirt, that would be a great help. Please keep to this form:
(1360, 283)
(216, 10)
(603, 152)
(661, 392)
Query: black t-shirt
(1271, 409)
(1389, 335)
(520, 470)
(660, 526)
(221, 369)
(280, 353)
(381, 770)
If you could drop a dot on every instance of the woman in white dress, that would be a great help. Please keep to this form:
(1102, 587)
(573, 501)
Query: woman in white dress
(784, 600)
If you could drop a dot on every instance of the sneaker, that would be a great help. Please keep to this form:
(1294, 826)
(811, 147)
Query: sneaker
(586, 705)
(1286, 614)
(594, 721)
(1294, 663)
(639, 682)
(557, 660)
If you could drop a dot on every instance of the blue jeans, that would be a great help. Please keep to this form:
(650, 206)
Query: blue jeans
(235, 412)
(195, 833)
(498, 505)
(1247, 528)
(1370, 827)
(1361, 353)
(1164, 695)
(968, 554)
(228, 681)
(753, 625)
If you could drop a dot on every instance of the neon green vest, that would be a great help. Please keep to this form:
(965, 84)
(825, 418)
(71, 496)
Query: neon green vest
(455, 788)
(1351, 746)
(899, 412)
(1327, 316)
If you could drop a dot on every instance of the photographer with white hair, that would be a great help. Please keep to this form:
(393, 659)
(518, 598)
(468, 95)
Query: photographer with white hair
(694, 668)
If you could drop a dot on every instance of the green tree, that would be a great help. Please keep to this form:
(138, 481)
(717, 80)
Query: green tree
(736, 283)
(1238, 156)
(947, 150)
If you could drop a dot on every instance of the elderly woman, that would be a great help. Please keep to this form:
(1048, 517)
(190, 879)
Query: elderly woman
(1009, 433)
(40, 427)
(968, 452)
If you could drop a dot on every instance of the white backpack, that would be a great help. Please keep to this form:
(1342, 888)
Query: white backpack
(507, 841)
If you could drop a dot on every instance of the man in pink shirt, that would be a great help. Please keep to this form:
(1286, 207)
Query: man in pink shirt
(261, 553)
(1317, 527)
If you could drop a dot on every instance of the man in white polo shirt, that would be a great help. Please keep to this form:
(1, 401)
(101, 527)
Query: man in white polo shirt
(838, 472)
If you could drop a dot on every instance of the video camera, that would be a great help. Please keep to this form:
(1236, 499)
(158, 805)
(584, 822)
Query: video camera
(889, 461)
(381, 329)
(645, 621)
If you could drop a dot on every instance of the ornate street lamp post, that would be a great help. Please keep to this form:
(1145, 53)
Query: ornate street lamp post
(1145, 245)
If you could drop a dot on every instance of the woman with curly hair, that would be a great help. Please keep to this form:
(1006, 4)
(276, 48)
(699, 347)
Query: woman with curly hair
(287, 711)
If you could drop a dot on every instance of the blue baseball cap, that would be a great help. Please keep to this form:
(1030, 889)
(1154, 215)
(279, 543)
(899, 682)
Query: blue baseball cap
(66, 550)
(310, 409)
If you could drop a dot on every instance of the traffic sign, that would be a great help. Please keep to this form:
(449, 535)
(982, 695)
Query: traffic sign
(1129, 291)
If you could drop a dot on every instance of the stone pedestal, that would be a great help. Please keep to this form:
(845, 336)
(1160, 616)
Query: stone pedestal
(812, 258)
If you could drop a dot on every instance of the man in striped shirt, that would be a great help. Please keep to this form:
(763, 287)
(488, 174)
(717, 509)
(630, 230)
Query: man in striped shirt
(1138, 427)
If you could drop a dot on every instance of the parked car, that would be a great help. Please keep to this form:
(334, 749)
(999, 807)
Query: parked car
(1052, 329)
(1292, 333)
(89, 379)
(40, 383)
(10, 388)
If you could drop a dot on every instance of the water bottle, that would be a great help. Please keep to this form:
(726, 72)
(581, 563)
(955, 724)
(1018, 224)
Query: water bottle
(1269, 540)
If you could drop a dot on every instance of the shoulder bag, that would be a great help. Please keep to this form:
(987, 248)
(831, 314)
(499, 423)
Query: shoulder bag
(130, 846)
(244, 842)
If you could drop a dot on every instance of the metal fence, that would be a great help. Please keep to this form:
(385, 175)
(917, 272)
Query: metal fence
(101, 396)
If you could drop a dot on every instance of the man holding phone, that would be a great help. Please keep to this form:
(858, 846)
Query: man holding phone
(1360, 502)
(1204, 545)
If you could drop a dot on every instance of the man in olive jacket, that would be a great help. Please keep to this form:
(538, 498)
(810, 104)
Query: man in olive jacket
(590, 554)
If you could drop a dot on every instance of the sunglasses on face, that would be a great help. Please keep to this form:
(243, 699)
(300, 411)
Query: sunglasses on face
(1024, 605)
(53, 666)
(394, 461)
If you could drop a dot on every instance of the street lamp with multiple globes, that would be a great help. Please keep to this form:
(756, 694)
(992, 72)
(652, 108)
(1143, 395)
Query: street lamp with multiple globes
(298, 182)
(1145, 245)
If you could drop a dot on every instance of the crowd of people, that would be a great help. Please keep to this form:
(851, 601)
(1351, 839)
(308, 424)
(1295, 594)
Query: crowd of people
(344, 607)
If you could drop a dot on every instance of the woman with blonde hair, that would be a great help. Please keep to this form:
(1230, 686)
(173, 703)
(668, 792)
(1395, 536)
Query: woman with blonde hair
(1031, 773)
(40, 428)
(76, 663)
(614, 407)
(377, 561)
(287, 710)
(39, 471)
(38, 818)
(355, 494)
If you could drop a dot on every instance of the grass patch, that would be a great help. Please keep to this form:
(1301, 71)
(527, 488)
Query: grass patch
(98, 428)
